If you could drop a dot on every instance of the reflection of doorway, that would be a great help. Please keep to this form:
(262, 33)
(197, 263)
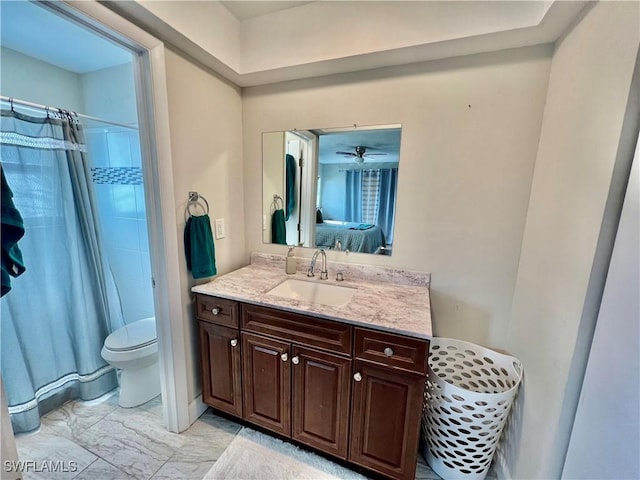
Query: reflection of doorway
(301, 223)
(148, 68)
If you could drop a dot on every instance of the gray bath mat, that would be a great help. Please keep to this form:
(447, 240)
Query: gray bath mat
(255, 456)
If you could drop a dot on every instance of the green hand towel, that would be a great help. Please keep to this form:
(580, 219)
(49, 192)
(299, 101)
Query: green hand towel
(199, 248)
(291, 168)
(278, 228)
(12, 231)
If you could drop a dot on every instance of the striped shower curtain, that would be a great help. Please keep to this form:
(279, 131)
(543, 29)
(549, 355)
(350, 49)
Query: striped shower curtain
(60, 310)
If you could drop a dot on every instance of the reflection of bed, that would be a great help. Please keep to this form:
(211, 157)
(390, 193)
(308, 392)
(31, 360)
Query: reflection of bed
(351, 237)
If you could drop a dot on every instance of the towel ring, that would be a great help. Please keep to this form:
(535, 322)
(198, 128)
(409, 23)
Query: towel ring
(274, 204)
(194, 199)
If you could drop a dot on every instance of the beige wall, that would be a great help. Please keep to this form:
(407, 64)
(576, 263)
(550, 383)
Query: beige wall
(206, 149)
(470, 131)
(588, 90)
(23, 77)
(273, 179)
(209, 25)
(111, 93)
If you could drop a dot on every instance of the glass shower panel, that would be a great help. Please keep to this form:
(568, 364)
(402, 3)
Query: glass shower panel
(117, 176)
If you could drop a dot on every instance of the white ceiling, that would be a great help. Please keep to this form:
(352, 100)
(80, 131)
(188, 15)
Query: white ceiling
(262, 42)
(257, 43)
(245, 9)
(38, 33)
(383, 142)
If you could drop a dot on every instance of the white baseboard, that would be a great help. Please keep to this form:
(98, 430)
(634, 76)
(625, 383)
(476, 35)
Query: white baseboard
(196, 409)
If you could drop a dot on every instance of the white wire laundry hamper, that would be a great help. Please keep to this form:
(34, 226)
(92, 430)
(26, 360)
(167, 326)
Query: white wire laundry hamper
(470, 390)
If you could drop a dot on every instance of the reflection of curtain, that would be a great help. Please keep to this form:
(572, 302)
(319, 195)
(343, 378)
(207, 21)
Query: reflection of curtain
(371, 198)
(55, 319)
(353, 210)
(387, 203)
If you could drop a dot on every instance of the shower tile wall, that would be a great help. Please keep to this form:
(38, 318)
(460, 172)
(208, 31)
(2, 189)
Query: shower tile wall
(117, 176)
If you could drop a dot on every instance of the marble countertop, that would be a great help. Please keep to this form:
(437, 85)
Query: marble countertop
(401, 305)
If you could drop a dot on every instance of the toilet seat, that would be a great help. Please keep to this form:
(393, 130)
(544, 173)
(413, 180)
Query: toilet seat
(135, 335)
(133, 349)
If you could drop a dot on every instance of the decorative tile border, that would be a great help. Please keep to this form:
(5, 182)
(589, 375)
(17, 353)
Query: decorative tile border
(117, 175)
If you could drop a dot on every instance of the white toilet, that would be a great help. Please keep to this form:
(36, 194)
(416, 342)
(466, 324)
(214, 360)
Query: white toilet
(134, 349)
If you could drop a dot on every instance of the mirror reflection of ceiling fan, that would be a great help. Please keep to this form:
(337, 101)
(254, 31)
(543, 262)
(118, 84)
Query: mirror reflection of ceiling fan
(359, 154)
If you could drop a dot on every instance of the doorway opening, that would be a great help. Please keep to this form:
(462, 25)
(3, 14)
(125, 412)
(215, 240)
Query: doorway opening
(118, 112)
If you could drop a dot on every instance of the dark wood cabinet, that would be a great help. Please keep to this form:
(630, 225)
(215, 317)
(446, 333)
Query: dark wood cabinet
(321, 392)
(300, 329)
(267, 382)
(221, 370)
(385, 419)
(354, 393)
(220, 359)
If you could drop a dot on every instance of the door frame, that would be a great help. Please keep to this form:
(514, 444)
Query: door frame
(157, 166)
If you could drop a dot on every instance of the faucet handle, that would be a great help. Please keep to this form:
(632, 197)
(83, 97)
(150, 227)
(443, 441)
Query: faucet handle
(339, 277)
(310, 273)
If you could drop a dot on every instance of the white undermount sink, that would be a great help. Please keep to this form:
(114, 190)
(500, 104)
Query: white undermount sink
(314, 292)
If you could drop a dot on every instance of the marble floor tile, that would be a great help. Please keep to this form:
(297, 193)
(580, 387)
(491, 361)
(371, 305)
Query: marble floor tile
(101, 470)
(133, 440)
(109, 442)
(183, 471)
(49, 456)
(206, 439)
(77, 415)
(153, 406)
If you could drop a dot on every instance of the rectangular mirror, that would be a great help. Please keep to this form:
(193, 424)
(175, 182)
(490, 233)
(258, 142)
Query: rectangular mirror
(331, 188)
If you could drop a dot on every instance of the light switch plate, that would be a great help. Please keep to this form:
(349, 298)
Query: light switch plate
(219, 228)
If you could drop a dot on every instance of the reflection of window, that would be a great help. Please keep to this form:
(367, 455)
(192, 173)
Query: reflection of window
(319, 193)
(370, 196)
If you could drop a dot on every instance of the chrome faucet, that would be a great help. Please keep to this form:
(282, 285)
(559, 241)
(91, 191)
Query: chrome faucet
(312, 268)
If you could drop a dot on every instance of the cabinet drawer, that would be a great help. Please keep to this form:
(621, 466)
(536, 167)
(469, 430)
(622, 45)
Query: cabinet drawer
(333, 336)
(390, 349)
(217, 310)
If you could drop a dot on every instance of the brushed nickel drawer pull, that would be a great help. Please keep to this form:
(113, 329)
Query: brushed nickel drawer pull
(388, 351)
(295, 360)
(284, 357)
(357, 376)
(234, 342)
(215, 310)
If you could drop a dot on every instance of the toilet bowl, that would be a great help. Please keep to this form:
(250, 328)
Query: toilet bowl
(134, 350)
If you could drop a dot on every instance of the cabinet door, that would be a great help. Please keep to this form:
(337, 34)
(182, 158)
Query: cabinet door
(267, 383)
(220, 361)
(321, 388)
(386, 414)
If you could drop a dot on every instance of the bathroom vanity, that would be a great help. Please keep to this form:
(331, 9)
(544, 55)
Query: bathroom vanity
(345, 380)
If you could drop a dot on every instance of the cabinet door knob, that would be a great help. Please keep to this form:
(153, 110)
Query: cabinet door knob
(295, 360)
(388, 351)
(234, 342)
(357, 376)
(215, 310)
(284, 357)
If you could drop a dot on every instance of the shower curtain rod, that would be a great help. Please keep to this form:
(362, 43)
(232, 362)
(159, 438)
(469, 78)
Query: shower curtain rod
(46, 108)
